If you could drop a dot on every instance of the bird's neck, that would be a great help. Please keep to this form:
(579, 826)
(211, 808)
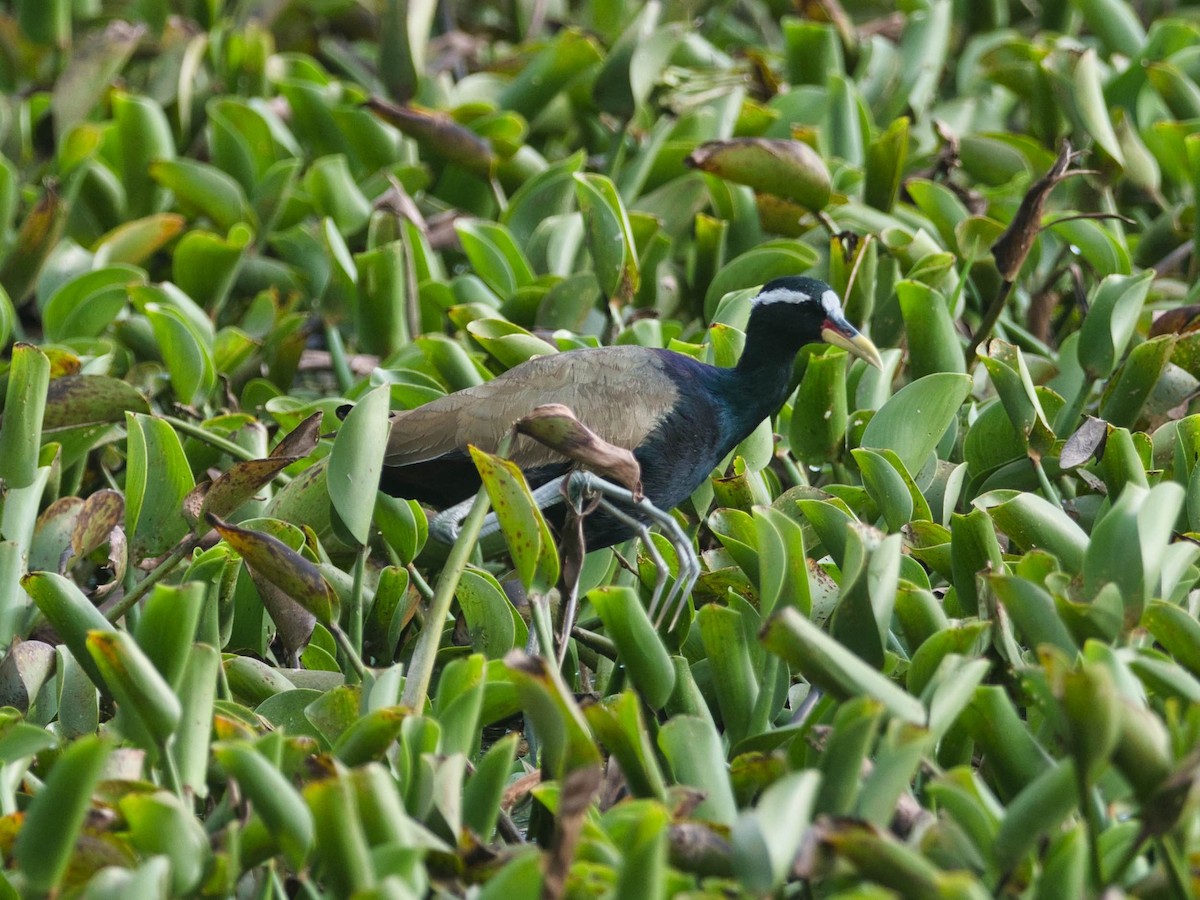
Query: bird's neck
(762, 379)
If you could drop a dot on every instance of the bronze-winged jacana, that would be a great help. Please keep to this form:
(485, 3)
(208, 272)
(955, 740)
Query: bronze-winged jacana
(680, 417)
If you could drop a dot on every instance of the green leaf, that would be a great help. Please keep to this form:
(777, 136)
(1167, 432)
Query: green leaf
(55, 818)
(24, 409)
(524, 528)
(356, 461)
(638, 646)
(157, 478)
(913, 421)
(609, 235)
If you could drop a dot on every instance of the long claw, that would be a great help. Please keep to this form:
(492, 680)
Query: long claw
(570, 488)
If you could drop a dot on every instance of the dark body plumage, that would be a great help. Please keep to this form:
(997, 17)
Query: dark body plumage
(679, 416)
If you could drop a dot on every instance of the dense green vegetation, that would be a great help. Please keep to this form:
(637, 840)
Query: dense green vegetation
(233, 669)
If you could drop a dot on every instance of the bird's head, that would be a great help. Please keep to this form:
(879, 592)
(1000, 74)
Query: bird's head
(806, 311)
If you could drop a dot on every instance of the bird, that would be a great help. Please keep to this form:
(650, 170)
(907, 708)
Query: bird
(680, 417)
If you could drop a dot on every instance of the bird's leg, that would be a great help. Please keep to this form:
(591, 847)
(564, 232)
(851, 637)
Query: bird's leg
(445, 525)
(689, 565)
(568, 488)
(573, 535)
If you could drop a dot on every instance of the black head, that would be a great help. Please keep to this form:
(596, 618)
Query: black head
(797, 310)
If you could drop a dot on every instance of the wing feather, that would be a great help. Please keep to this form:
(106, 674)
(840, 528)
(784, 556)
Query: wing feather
(621, 393)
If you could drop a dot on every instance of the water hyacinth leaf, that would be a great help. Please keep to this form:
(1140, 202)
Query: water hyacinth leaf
(785, 168)
(870, 570)
(157, 479)
(819, 412)
(336, 195)
(766, 840)
(886, 158)
(53, 822)
(933, 343)
(142, 694)
(356, 461)
(88, 303)
(1032, 611)
(780, 540)
(1088, 104)
(403, 525)
(509, 343)
(206, 190)
(567, 743)
(145, 137)
(159, 823)
(24, 410)
(1176, 630)
(368, 737)
(619, 724)
(734, 682)
(337, 833)
(1035, 523)
(1113, 311)
(491, 618)
(973, 549)
(458, 702)
(71, 613)
(197, 693)
(896, 760)
(281, 807)
(771, 259)
(78, 400)
(1010, 376)
(887, 488)
(206, 264)
(25, 668)
(494, 255)
(167, 627)
(569, 54)
(283, 567)
(638, 645)
(381, 298)
(1039, 808)
(1125, 397)
(188, 356)
(832, 667)
(609, 236)
(438, 134)
(1092, 711)
(692, 748)
(524, 528)
(916, 417)
(484, 790)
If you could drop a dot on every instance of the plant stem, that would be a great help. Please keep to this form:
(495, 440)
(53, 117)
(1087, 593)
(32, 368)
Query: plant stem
(419, 582)
(194, 430)
(356, 602)
(420, 672)
(343, 641)
(990, 318)
(126, 603)
(337, 357)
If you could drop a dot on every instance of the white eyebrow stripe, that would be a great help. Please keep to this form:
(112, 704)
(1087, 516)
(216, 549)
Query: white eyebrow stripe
(783, 295)
(832, 304)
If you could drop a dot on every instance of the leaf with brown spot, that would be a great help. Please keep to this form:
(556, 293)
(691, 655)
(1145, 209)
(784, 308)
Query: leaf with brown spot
(785, 168)
(283, 567)
(1180, 320)
(76, 400)
(439, 133)
(293, 623)
(555, 425)
(300, 441)
(237, 485)
(101, 513)
(525, 530)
